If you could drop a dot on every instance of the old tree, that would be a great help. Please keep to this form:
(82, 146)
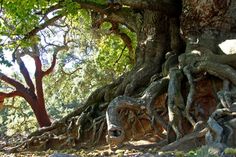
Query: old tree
(180, 89)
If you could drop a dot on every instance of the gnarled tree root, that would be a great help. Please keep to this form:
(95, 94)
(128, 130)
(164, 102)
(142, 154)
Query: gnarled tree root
(189, 141)
(114, 126)
(115, 131)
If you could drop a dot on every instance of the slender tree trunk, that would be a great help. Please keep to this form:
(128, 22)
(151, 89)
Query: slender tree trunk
(39, 109)
(41, 114)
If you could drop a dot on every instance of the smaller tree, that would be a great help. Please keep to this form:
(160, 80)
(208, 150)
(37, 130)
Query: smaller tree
(32, 89)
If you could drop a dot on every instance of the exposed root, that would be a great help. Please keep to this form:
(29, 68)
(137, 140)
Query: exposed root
(151, 94)
(222, 121)
(115, 130)
(191, 94)
(216, 69)
(195, 64)
(190, 141)
(99, 131)
(202, 62)
(136, 79)
(175, 101)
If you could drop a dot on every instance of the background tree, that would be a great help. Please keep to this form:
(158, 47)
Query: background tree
(176, 60)
(32, 93)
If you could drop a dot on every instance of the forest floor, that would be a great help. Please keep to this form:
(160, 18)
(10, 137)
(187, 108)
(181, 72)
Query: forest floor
(131, 149)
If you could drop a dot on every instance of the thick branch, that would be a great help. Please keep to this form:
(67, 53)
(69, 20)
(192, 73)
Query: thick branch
(123, 16)
(126, 17)
(24, 71)
(12, 82)
(9, 95)
(54, 59)
(53, 64)
(21, 90)
(93, 6)
(169, 7)
(38, 75)
(38, 64)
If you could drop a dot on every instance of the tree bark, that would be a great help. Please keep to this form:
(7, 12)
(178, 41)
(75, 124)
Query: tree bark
(32, 93)
(41, 115)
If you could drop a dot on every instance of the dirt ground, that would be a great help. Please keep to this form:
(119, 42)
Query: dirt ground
(140, 148)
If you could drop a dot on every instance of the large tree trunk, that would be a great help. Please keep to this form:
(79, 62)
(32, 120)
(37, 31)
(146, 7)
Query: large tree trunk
(153, 43)
(188, 93)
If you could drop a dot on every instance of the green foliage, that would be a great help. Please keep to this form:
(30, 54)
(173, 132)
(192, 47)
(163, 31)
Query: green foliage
(3, 61)
(71, 7)
(19, 15)
(101, 2)
(205, 151)
(113, 55)
(230, 151)
(66, 90)
(17, 118)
